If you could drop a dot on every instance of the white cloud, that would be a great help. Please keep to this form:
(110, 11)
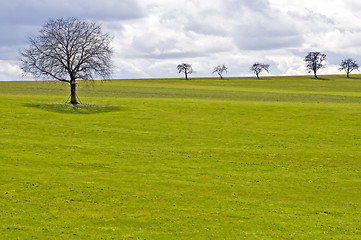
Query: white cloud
(152, 36)
(9, 70)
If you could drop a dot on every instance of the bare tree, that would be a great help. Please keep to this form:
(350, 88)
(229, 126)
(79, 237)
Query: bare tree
(68, 49)
(314, 62)
(259, 67)
(220, 69)
(185, 68)
(348, 65)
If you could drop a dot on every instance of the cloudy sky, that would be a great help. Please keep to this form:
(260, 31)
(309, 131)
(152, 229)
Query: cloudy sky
(152, 36)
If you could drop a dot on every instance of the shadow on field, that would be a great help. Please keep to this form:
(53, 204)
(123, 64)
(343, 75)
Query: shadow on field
(323, 79)
(74, 109)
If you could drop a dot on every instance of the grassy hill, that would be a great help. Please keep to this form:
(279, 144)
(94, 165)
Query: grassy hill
(240, 158)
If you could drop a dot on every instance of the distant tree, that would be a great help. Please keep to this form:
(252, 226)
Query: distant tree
(314, 62)
(68, 49)
(348, 65)
(220, 69)
(185, 68)
(259, 67)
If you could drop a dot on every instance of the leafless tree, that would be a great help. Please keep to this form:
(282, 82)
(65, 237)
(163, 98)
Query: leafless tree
(185, 68)
(68, 49)
(314, 62)
(259, 67)
(348, 65)
(220, 69)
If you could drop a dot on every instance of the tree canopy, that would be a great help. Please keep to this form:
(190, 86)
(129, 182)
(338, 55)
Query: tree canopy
(348, 65)
(259, 67)
(68, 49)
(220, 70)
(314, 62)
(185, 68)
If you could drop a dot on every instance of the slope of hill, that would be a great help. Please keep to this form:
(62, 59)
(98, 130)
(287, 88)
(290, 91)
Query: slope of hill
(240, 158)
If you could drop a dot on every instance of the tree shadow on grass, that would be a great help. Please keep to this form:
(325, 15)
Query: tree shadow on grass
(323, 79)
(74, 109)
(353, 78)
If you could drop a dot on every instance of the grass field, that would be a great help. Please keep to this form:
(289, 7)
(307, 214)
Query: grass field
(240, 158)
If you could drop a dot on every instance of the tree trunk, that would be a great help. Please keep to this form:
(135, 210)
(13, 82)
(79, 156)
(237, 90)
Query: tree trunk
(314, 72)
(257, 75)
(221, 76)
(348, 74)
(186, 75)
(73, 93)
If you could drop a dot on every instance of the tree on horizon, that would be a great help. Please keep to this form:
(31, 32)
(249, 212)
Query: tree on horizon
(220, 69)
(348, 65)
(257, 68)
(185, 68)
(314, 62)
(68, 49)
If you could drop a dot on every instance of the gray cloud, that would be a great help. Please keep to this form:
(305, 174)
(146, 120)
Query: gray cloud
(152, 36)
(251, 23)
(12, 35)
(35, 12)
(20, 19)
(267, 35)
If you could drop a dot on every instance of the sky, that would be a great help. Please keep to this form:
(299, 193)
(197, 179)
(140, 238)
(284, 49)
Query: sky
(151, 37)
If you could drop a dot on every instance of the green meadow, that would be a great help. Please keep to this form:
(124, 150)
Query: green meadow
(239, 158)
